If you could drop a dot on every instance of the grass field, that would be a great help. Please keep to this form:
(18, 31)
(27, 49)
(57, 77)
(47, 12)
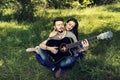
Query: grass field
(101, 61)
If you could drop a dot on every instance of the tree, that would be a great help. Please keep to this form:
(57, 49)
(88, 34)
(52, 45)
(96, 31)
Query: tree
(26, 11)
(57, 4)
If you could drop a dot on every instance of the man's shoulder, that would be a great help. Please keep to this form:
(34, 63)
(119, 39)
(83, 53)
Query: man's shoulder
(69, 32)
(71, 35)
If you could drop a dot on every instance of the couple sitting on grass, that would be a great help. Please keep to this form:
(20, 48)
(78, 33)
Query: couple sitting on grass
(66, 34)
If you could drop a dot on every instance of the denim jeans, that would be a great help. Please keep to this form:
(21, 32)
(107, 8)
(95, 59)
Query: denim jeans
(67, 62)
(44, 59)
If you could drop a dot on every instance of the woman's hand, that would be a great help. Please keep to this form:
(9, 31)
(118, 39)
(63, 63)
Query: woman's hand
(85, 44)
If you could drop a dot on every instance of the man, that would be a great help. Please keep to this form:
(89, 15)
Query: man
(68, 61)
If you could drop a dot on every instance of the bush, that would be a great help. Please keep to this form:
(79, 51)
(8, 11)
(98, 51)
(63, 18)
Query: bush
(101, 2)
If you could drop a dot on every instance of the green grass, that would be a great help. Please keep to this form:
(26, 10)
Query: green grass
(101, 61)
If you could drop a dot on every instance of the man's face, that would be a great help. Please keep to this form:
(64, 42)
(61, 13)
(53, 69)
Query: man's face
(59, 26)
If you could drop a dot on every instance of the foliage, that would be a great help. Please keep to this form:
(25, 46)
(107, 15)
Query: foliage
(26, 12)
(101, 2)
(23, 9)
(57, 4)
(88, 3)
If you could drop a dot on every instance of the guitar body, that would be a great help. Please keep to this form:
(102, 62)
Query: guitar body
(55, 58)
(66, 46)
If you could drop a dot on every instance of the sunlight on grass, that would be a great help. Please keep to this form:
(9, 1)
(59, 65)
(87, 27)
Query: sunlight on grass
(98, 20)
(1, 62)
(90, 19)
(113, 57)
(13, 25)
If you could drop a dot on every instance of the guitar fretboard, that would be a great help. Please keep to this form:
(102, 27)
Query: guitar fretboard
(79, 42)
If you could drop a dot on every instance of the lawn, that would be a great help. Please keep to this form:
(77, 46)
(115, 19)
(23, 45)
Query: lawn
(100, 62)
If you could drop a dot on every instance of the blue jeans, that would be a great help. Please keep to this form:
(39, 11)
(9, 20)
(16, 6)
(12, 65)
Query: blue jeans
(44, 59)
(67, 62)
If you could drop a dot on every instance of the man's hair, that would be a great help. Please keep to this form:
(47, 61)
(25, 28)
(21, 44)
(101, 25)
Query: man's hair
(58, 19)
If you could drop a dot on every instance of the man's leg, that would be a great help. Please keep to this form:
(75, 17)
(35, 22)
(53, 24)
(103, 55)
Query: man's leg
(41, 56)
(44, 57)
(39, 59)
(66, 63)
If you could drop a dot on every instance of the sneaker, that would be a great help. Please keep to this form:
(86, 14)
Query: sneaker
(53, 69)
(30, 50)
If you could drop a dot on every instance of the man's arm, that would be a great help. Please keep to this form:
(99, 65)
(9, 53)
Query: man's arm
(45, 47)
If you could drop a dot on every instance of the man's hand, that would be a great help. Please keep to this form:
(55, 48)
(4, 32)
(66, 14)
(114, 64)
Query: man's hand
(85, 44)
(54, 50)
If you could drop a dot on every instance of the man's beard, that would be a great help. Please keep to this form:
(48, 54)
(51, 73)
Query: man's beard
(61, 30)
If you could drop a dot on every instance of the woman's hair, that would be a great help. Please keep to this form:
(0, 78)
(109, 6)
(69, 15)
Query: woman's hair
(75, 28)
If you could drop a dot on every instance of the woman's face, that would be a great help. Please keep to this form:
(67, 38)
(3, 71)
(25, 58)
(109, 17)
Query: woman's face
(70, 25)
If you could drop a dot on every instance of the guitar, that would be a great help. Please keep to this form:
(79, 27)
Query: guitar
(66, 46)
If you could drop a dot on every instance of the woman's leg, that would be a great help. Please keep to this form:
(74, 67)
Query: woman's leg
(39, 59)
(67, 62)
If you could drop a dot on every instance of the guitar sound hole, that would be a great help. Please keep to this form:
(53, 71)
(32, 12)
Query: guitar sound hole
(63, 48)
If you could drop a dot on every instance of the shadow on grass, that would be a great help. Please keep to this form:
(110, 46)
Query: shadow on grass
(113, 9)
